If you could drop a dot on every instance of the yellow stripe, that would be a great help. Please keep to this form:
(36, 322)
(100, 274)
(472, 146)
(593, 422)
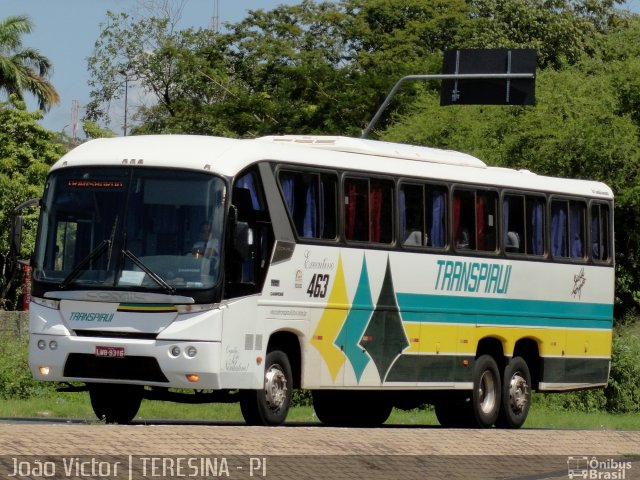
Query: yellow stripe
(440, 338)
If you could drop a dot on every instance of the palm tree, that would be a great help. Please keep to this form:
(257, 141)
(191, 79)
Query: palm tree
(24, 69)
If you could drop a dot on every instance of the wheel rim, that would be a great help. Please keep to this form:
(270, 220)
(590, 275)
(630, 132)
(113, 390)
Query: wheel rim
(275, 387)
(487, 392)
(518, 392)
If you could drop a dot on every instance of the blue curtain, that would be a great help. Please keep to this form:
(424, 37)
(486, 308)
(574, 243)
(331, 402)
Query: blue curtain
(438, 233)
(576, 219)
(403, 215)
(286, 181)
(537, 224)
(559, 229)
(310, 226)
(248, 183)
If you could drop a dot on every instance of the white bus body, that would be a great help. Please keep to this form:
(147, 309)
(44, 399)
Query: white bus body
(298, 288)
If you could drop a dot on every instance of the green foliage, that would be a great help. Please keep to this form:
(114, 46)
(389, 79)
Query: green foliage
(301, 398)
(93, 130)
(15, 377)
(561, 31)
(622, 394)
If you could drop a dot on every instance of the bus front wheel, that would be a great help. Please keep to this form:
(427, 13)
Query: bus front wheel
(516, 394)
(270, 405)
(115, 403)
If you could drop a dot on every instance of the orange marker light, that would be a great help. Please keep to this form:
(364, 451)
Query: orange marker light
(258, 360)
(192, 377)
(465, 363)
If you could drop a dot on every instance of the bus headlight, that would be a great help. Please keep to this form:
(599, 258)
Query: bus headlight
(191, 351)
(53, 345)
(174, 351)
(42, 344)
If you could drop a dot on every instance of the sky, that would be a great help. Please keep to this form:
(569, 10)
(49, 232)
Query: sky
(66, 30)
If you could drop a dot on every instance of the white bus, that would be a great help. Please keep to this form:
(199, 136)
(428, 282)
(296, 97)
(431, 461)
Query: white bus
(373, 274)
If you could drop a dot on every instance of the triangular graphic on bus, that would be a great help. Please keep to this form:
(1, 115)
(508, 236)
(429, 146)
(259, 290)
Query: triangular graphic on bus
(330, 323)
(385, 338)
(356, 323)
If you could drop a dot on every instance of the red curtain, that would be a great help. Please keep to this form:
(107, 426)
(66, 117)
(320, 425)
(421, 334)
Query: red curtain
(480, 203)
(456, 218)
(350, 211)
(375, 213)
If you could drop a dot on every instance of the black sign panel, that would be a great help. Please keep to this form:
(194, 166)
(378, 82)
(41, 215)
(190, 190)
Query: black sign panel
(489, 91)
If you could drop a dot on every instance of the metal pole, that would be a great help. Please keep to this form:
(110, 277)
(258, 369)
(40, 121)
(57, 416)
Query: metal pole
(126, 94)
(441, 76)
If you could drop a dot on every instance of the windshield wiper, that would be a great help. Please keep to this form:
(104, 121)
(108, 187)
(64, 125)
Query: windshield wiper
(153, 275)
(96, 252)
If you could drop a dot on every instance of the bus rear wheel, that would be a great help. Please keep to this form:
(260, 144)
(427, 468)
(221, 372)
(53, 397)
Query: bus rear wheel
(487, 391)
(115, 403)
(269, 406)
(516, 394)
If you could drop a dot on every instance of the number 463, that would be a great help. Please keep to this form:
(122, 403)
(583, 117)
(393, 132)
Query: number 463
(318, 286)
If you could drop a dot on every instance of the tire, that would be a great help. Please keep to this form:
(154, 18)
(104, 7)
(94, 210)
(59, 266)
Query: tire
(455, 412)
(487, 391)
(328, 408)
(516, 394)
(351, 408)
(115, 403)
(270, 405)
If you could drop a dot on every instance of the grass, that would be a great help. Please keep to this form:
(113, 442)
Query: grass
(76, 406)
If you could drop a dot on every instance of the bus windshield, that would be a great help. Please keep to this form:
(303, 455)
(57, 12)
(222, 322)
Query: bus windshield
(130, 228)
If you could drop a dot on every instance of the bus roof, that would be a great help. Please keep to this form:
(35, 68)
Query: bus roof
(229, 156)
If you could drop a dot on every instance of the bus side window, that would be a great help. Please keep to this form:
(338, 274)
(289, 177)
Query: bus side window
(423, 215)
(368, 210)
(310, 199)
(568, 229)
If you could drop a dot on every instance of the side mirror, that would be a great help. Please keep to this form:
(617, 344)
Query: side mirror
(15, 238)
(16, 235)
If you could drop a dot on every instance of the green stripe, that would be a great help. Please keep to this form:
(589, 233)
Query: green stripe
(450, 368)
(503, 311)
(575, 370)
(431, 368)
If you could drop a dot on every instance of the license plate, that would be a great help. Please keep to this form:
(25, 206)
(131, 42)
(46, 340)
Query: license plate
(110, 352)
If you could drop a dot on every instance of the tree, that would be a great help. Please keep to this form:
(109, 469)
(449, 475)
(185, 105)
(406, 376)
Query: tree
(24, 69)
(26, 152)
(174, 71)
(561, 31)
